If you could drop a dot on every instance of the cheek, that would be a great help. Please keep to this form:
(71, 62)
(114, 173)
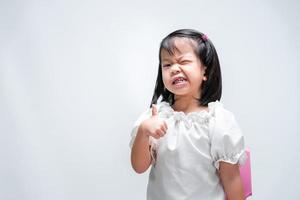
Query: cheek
(166, 80)
(165, 77)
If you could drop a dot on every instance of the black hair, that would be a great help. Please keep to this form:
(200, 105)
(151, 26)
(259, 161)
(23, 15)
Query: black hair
(211, 89)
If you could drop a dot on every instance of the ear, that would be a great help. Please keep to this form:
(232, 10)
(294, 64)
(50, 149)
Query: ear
(204, 72)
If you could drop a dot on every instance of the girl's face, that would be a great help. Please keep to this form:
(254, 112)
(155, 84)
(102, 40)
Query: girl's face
(182, 72)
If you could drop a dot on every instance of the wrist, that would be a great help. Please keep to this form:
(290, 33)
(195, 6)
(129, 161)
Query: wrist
(142, 131)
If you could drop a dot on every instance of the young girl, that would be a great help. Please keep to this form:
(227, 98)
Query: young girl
(192, 142)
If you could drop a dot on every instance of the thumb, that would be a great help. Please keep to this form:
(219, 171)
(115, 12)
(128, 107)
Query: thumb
(154, 110)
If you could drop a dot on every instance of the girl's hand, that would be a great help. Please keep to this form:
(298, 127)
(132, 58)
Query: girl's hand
(154, 126)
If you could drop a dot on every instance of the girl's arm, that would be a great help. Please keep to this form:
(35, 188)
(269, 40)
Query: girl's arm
(231, 180)
(140, 153)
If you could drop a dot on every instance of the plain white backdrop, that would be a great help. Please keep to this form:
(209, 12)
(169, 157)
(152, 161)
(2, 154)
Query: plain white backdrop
(75, 75)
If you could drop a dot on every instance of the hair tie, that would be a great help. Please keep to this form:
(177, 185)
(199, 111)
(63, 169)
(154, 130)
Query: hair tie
(204, 37)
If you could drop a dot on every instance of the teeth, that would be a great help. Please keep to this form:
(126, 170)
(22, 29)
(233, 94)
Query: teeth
(179, 80)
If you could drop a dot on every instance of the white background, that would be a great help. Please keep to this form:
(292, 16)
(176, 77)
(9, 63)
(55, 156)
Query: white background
(75, 75)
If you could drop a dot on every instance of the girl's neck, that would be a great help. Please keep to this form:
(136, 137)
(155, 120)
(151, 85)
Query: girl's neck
(187, 105)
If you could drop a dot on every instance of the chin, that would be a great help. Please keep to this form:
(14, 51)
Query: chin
(176, 93)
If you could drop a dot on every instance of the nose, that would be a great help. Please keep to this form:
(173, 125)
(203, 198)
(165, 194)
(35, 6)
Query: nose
(175, 69)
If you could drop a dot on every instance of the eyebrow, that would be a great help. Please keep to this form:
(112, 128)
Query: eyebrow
(185, 55)
(179, 58)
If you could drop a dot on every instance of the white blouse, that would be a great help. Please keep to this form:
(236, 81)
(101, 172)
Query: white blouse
(186, 160)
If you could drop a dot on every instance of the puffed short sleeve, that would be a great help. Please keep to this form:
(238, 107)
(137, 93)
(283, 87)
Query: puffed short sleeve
(227, 140)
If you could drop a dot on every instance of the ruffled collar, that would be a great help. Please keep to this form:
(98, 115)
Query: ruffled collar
(166, 111)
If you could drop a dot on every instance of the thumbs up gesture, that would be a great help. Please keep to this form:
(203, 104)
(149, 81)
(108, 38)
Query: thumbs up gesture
(154, 126)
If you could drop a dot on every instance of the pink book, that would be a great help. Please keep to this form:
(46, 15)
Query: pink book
(245, 171)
